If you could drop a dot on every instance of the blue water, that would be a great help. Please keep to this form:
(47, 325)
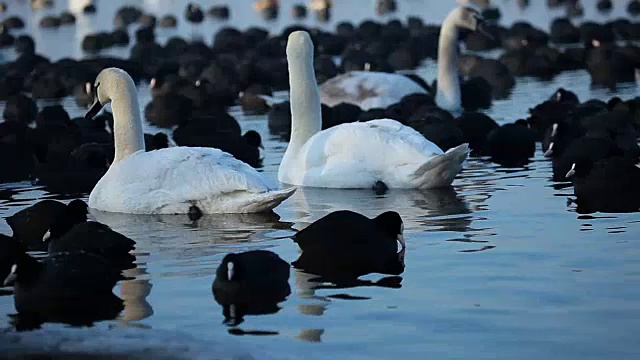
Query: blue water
(500, 268)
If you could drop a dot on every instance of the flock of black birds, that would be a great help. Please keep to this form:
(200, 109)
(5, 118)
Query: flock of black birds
(592, 144)
(85, 259)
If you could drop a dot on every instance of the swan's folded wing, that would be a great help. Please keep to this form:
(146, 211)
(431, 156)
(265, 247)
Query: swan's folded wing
(180, 174)
(356, 154)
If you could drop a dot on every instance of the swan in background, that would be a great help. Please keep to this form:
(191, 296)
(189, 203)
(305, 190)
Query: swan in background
(448, 95)
(478, 4)
(355, 155)
(77, 6)
(176, 180)
(369, 89)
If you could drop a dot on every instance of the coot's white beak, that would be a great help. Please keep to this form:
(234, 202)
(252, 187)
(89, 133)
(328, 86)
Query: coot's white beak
(230, 267)
(571, 172)
(401, 256)
(11, 279)
(401, 240)
(549, 151)
(401, 236)
(46, 236)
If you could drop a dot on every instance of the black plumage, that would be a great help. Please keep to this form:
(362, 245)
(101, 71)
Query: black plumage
(345, 245)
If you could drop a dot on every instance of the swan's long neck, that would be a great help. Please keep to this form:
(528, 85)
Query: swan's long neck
(448, 95)
(127, 122)
(306, 111)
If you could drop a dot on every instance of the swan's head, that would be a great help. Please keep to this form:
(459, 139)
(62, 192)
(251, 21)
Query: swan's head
(299, 45)
(482, 4)
(110, 82)
(467, 18)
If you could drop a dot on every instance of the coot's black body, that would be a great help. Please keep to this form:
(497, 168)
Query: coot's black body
(346, 245)
(259, 281)
(74, 288)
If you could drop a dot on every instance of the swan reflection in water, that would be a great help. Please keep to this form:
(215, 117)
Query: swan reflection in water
(161, 233)
(311, 204)
(134, 292)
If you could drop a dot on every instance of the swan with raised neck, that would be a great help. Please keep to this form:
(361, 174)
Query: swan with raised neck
(358, 154)
(115, 86)
(174, 180)
(371, 89)
(448, 95)
(306, 110)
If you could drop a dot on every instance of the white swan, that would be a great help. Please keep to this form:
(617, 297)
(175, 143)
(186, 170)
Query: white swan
(355, 155)
(172, 180)
(369, 89)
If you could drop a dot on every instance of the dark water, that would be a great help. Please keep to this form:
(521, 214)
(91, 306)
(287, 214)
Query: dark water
(499, 268)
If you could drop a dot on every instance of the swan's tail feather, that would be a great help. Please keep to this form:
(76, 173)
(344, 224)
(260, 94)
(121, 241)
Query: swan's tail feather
(267, 201)
(440, 170)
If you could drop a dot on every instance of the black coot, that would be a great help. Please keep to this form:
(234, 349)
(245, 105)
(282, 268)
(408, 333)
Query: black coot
(29, 225)
(608, 185)
(345, 245)
(73, 288)
(251, 283)
(91, 237)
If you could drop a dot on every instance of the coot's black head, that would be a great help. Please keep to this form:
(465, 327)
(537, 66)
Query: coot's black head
(78, 209)
(230, 268)
(522, 122)
(563, 95)
(26, 270)
(160, 141)
(253, 138)
(390, 223)
(163, 73)
(75, 213)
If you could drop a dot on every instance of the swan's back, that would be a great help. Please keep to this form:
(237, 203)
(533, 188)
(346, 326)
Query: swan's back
(356, 155)
(368, 89)
(171, 180)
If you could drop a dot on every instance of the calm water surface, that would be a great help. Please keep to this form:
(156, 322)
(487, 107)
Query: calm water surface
(500, 267)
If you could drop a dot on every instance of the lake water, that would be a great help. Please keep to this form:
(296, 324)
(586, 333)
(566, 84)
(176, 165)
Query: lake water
(499, 268)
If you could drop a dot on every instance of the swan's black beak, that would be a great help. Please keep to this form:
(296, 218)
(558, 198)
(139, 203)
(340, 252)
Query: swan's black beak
(93, 110)
(483, 29)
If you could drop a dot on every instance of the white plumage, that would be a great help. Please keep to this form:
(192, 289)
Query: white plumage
(172, 180)
(368, 89)
(356, 155)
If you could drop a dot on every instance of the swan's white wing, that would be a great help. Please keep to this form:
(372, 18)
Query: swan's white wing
(147, 182)
(355, 155)
(368, 89)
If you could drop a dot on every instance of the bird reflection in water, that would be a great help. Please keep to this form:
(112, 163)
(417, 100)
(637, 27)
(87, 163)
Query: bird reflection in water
(82, 311)
(134, 293)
